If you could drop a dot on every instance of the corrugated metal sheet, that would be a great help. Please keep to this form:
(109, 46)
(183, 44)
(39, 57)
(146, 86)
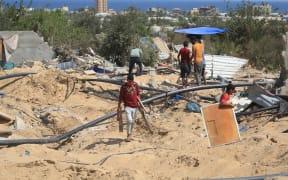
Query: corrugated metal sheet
(224, 66)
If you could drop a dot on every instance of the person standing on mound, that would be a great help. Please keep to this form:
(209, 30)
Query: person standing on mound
(197, 57)
(184, 59)
(129, 95)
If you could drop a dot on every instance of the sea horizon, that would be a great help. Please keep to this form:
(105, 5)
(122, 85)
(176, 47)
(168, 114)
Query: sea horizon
(280, 6)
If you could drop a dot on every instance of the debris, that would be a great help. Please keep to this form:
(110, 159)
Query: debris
(221, 125)
(193, 107)
(90, 72)
(4, 118)
(243, 128)
(143, 111)
(262, 97)
(120, 121)
(27, 152)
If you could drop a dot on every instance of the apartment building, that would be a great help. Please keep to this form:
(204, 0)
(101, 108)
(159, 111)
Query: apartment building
(101, 6)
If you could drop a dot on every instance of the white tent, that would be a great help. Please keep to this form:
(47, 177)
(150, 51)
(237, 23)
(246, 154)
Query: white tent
(9, 44)
(19, 47)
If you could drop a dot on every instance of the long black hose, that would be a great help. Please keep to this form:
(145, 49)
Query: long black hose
(58, 138)
(197, 88)
(120, 82)
(103, 118)
(16, 75)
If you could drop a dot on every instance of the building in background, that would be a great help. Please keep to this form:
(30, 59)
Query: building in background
(194, 12)
(262, 10)
(208, 10)
(101, 6)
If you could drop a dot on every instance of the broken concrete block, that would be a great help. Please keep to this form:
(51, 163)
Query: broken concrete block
(19, 123)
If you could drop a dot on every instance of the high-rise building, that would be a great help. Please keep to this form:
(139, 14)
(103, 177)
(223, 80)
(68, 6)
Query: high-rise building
(101, 6)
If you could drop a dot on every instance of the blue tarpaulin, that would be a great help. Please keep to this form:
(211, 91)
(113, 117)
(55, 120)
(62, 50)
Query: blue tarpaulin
(101, 70)
(201, 30)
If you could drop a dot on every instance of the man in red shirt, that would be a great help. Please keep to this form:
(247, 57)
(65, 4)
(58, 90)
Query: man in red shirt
(225, 97)
(129, 95)
(184, 58)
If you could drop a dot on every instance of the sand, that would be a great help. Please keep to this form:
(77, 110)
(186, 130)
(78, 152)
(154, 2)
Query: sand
(51, 103)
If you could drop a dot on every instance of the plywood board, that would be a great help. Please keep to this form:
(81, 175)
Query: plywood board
(221, 125)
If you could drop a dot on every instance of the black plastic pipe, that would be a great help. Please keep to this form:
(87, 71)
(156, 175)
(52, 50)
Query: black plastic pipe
(197, 88)
(14, 142)
(16, 75)
(120, 82)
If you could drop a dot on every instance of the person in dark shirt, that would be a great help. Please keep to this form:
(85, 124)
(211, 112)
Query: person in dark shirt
(129, 95)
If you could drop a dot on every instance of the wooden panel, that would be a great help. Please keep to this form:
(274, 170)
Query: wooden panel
(1, 48)
(221, 125)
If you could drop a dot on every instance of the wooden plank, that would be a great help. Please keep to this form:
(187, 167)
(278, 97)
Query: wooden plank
(1, 48)
(4, 118)
(221, 125)
(143, 111)
(5, 130)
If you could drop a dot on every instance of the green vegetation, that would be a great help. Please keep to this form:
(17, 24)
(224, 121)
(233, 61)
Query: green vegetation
(259, 40)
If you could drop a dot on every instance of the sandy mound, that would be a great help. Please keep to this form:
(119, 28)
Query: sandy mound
(50, 103)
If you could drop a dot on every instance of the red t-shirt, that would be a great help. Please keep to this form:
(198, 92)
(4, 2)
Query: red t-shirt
(185, 54)
(225, 97)
(128, 94)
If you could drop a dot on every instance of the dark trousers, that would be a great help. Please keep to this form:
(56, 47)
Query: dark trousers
(184, 67)
(198, 72)
(132, 62)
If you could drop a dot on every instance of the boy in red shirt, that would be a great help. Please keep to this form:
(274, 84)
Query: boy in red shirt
(129, 95)
(184, 58)
(225, 97)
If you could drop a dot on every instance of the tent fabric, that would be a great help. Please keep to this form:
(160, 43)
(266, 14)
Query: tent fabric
(201, 30)
(29, 48)
(10, 44)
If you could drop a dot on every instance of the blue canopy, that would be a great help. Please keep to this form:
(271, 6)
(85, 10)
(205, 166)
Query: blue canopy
(201, 30)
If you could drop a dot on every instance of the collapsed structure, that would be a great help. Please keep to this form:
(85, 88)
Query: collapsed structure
(20, 47)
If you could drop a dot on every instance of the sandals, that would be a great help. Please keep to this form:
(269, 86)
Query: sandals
(128, 139)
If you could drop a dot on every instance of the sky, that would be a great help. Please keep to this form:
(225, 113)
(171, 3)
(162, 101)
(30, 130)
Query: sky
(209, 0)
